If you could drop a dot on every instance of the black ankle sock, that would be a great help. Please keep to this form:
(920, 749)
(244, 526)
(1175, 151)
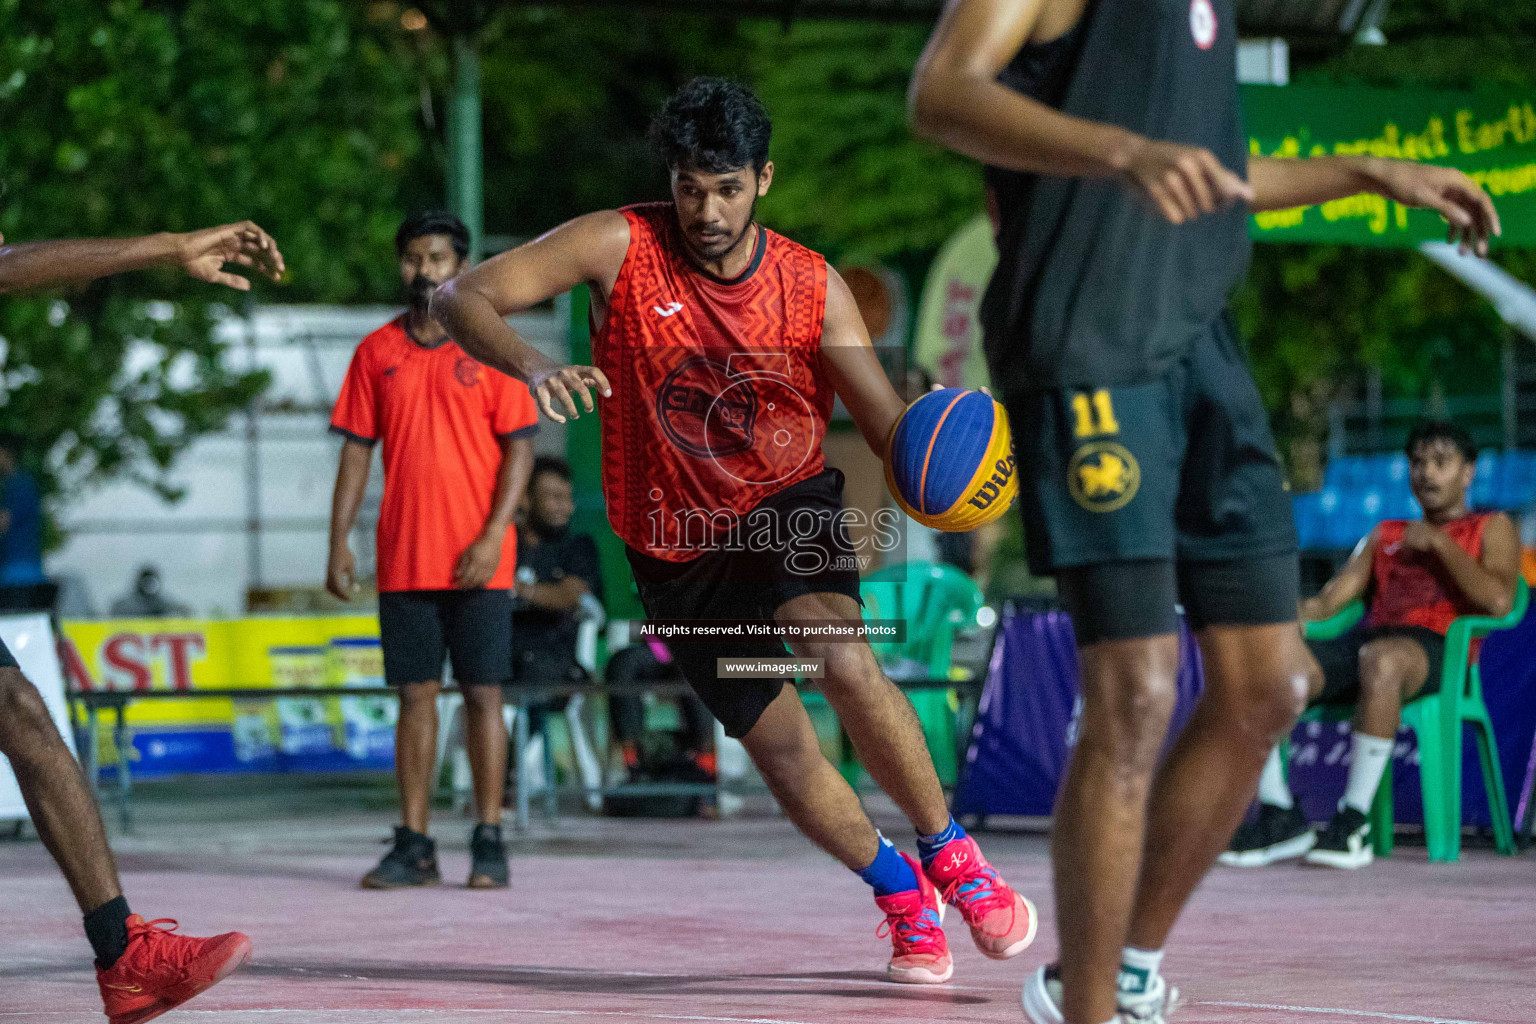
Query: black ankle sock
(107, 928)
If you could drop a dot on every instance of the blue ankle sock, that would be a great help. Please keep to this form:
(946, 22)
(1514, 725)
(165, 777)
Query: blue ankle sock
(928, 847)
(889, 874)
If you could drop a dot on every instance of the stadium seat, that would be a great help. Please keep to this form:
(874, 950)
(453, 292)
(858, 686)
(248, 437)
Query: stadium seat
(1517, 481)
(1308, 512)
(1485, 485)
(1437, 721)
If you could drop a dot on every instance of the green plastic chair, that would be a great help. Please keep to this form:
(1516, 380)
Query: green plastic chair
(1437, 720)
(936, 602)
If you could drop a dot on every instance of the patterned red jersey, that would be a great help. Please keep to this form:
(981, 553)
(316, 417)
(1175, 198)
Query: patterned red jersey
(1413, 588)
(719, 397)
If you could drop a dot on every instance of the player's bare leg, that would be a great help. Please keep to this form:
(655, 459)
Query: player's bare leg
(810, 790)
(485, 740)
(57, 795)
(1129, 690)
(416, 752)
(1256, 682)
(142, 968)
(888, 737)
(878, 717)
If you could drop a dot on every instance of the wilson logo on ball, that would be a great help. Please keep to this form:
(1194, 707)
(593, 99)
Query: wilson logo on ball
(950, 462)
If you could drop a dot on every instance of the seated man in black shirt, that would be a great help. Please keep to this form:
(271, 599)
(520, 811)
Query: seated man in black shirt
(555, 570)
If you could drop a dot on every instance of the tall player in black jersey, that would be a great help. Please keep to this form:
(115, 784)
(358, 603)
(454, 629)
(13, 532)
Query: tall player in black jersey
(1117, 158)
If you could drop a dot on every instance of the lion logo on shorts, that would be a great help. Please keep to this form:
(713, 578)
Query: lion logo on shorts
(1103, 476)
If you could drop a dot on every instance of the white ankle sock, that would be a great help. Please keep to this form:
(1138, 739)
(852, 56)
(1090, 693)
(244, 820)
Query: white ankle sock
(1368, 759)
(1272, 787)
(1138, 970)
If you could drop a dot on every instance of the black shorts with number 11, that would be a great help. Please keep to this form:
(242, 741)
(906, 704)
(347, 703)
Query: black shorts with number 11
(1181, 467)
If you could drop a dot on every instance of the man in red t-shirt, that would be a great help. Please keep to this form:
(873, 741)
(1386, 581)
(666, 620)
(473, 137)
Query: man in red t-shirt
(457, 455)
(1417, 576)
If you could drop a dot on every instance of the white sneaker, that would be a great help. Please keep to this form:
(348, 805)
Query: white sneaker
(1042, 1000)
(1153, 1006)
(1042, 996)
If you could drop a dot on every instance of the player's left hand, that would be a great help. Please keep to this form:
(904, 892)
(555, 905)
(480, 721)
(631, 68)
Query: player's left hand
(204, 254)
(477, 564)
(1420, 536)
(1461, 201)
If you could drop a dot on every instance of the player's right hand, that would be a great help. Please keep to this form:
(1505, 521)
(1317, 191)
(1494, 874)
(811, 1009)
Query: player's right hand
(1182, 183)
(560, 383)
(341, 574)
(204, 254)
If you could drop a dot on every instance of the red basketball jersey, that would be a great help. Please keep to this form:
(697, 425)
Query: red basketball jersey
(719, 397)
(1413, 588)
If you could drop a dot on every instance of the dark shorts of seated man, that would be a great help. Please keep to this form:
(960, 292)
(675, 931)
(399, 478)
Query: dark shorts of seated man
(1340, 660)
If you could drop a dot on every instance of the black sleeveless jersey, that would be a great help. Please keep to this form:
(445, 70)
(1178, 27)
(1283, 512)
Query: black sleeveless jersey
(1092, 288)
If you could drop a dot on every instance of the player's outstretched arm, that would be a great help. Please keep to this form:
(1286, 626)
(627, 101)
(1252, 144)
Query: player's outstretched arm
(1280, 184)
(473, 306)
(956, 100)
(202, 254)
(855, 373)
(1350, 583)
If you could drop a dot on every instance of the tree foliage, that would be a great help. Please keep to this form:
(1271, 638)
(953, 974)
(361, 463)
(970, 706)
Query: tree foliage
(132, 117)
(1320, 317)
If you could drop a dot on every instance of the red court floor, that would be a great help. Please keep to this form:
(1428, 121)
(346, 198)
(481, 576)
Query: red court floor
(737, 921)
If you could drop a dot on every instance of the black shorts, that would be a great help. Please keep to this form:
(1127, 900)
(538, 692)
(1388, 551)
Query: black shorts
(740, 581)
(1340, 660)
(1180, 468)
(418, 628)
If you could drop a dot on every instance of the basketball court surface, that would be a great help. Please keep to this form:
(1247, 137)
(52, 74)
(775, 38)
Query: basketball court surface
(740, 922)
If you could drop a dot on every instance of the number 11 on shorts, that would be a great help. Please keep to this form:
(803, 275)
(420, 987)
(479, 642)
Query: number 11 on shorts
(1094, 415)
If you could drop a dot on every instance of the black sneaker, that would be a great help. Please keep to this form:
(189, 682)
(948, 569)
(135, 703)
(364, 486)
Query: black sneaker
(1345, 843)
(412, 861)
(1278, 833)
(487, 858)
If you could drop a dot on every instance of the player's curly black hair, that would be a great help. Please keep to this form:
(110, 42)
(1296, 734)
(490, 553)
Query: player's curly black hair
(433, 222)
(714, 125)
(1441, 430)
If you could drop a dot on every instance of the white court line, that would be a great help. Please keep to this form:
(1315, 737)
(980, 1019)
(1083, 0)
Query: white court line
(1334, 1011)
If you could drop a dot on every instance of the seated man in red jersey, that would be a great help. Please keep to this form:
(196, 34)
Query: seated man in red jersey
(1417, 577)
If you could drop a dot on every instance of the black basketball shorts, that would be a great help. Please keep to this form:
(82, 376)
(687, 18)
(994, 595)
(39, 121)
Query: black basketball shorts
(473, 628)
(1180, 469)
(726, 583)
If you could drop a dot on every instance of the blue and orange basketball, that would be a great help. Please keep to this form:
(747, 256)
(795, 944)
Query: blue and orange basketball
(950, 460)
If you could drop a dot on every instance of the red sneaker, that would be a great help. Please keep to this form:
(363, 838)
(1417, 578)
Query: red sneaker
(1002, 921)
(914, 920)
(160, 971)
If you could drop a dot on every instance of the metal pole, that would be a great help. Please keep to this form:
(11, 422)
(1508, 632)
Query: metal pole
(464, 147)
(252, 467)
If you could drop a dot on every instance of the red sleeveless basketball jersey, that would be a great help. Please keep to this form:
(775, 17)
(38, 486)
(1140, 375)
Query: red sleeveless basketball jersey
(719, 398)
(1413, 588)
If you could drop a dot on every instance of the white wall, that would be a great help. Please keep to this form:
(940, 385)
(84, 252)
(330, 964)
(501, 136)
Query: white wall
(202, 544)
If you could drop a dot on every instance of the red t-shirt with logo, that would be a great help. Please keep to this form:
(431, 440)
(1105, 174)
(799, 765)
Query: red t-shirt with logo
(442, 417)
(719, 397)
(1414, 588)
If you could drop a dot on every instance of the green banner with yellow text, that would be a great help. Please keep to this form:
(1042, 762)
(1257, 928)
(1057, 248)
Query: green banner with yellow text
(1489, 135)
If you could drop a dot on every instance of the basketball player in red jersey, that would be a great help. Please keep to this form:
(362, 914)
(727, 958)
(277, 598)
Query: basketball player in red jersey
(719, 347)
(142, 969)
(1418, 577)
